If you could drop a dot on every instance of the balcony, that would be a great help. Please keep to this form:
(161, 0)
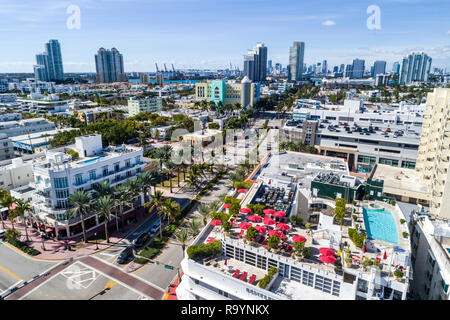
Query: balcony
(110, 174)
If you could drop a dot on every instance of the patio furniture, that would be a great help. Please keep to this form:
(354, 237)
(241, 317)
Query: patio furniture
(244, 276)
(289, 248)
(261, 240)
(252, 279)
(236, 273)
(240, 234)
(265, 244)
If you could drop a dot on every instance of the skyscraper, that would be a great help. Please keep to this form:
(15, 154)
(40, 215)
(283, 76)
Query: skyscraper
(296, 57)
(358, 69)
(396, 68)
(415, 68)
(56, 69)
(255, 63)
(49, 65)
(342, 68)
(348, 71)
(324, 66)
(269, 66)
(379, 67)
(109, 66)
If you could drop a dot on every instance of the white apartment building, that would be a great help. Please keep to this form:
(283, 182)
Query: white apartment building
(149, 104)
(57, 176)
(434, 151)
(16, 174)
(430, 258)
(8, 97)
(6, 147)
(26, 126)
(229, 275)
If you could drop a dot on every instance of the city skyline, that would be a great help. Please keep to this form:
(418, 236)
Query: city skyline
(323, 26)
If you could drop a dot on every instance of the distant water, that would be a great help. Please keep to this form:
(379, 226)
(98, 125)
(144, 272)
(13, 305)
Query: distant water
(137, 81)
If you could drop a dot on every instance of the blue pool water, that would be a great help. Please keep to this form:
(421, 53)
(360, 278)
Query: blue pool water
(88, 161)
(380, 225)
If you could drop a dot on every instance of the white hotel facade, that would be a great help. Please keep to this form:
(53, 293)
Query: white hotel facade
(57, 176)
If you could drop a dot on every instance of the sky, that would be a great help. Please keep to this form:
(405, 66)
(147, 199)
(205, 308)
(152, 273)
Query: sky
(212, 34)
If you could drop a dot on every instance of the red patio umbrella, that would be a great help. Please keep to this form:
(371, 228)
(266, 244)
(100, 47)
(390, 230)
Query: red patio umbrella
(327, 251)
(298, 238)
(261, 229)
(245, 210)
(269, 211)
(242, 191)
(245, 225)
(384, 256)
(279, 234)
(216, 222)
(283, 226)
(254, 218)
(279, 214)
(233, 223)
(227, 205)
(269, 221)
(225, 262)
(327, 258)
(364, 249)
(49, 230)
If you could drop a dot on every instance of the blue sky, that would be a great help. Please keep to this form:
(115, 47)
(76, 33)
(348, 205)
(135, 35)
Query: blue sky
(211, 34)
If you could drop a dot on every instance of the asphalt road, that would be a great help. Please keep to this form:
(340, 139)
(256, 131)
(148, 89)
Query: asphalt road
(16, 268)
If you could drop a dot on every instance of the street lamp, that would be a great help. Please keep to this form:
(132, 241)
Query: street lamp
(96, 240)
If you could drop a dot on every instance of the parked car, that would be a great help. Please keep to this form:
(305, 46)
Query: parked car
(2, 234)
(141, 240)
(154, 228)
(125, 255)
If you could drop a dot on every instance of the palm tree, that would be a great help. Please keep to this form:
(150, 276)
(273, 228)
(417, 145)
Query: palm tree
(145, 181)
(192, 180)
(170, 167)
(214, 205)
(194, 225)
(81, 203)
(183, 238)
(22, 207)
(123, 198)
(6, 200)
(104, 205)
(171, 209)
(204, 211)
(134, 189)
(163, 154)
(102, 189)
(157, 201)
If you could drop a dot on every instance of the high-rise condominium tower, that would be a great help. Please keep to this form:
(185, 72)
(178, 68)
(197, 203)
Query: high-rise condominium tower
(433, 162)
(49, 65)
(415, 68)
(109, 66)
(296, 57)
(358, 69)
(255, 63)
(379, 67)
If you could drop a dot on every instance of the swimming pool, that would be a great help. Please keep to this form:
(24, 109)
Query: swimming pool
(380, 225)
(88, 161)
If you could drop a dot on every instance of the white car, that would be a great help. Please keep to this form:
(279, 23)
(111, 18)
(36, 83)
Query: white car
(2, 234)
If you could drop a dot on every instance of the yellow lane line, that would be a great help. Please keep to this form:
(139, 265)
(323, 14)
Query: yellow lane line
(10, 273)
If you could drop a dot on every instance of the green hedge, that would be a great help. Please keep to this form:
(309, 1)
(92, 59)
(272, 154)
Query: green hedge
(25, 248)
(264, 282)
(204, 250)
(357, 238)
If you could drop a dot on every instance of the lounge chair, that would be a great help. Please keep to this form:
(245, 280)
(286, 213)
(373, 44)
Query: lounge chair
(265, 244)
(252, 279)
(240, 234)
(261, 240)
(244, 276)
(236, 273)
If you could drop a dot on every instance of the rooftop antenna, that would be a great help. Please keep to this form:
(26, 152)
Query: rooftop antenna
(157, 70)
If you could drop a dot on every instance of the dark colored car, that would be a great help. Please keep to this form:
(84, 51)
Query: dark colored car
(125, 255)
(141, 240)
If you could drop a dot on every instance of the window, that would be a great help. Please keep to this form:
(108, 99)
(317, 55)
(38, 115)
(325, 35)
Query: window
(62, 194)
(78, 179)
(60, 183)
(138, 159)
(308, 278)
(128, 163)
(390, 162)
(105, 171)
(92, 175)
(362, 285)
(116, 167)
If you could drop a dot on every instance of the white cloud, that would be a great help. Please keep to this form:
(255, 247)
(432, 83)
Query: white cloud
(448, 32)
(329, 23)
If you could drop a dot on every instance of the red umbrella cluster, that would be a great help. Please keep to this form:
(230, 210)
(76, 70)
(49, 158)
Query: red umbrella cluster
(242, 191)
(283, 226)
(245, 210)
(298, 238)
(261, 229)
(279, 234)
(279, 214)
(245, 225)
(254, 218)
(227, 205)
(268, 221)
(269, 211)
(327, 251)
(327, 255)
(216, 222)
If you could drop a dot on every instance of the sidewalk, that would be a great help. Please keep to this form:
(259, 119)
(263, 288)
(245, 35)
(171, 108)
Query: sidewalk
(171, 293)
(56, 249)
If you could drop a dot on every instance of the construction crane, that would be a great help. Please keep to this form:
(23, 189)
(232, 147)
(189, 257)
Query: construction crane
(165, 68)
(173, 68)
(157, 70)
